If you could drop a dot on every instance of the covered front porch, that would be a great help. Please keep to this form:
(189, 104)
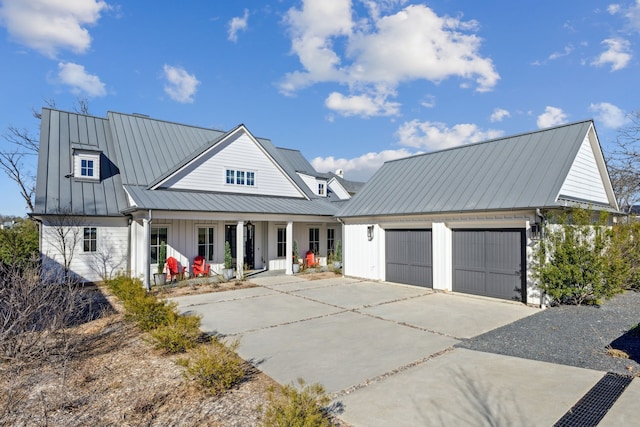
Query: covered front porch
(257, 241)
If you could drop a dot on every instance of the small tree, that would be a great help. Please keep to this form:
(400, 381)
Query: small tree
(296, 255)
(162, 257)
(228, 258)
(573, 263)
(338, 251)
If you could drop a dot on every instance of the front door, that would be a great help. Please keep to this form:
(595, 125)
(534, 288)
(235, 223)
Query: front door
(249, 233)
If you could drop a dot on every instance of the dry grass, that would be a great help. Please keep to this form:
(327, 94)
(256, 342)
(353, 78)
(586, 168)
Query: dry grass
(195, 286)
(614, 352)
(115, 377)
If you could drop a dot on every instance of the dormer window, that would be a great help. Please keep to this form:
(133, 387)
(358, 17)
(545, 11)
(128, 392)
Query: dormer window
(86, 165)
(321, 189)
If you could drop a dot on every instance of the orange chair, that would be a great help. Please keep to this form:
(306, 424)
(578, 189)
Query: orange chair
(200, 267)
(174, 270)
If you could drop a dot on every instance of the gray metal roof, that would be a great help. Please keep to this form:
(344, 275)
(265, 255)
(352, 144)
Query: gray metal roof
(56, 191)
(521, 171)
(225, 202)
(139, 151)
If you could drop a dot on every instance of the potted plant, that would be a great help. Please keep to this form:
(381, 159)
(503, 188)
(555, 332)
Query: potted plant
(337, 255)
(227, 272)
(160, 278)
(296, 259)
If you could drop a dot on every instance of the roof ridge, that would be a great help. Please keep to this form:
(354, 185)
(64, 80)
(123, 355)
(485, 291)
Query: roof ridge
(146, 117)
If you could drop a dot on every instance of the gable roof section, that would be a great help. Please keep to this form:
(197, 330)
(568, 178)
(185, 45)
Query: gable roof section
(518, 172)
(57, 192)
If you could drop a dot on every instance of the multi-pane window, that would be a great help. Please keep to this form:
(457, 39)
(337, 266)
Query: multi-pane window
(282, 242)
(205, 242)
(314, 240)
(240, 177)
(158, 235)
(90, 239)
(331, 240)
(231, 175)
(321, 189)
(86, 167)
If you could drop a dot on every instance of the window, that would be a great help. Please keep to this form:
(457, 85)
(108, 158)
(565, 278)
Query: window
(90, 239)
(282, 242)
(240, 177)
(321, 188)
(205, 242)
(314, 240)
(231, 176)
(331, 240)
(86, 165)
(158, 235)
(86, 168)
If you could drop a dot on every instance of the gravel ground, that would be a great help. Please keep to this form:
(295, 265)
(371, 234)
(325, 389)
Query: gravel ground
(572, 335)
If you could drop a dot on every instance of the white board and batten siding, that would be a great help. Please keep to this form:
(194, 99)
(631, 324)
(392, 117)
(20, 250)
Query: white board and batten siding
(110, 257)
(584, 180)
(362, 257)
(240, 152)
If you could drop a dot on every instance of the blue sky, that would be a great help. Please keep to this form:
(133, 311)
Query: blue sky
(349, 83)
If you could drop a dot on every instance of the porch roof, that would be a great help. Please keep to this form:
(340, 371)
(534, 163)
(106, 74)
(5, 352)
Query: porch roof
(195, 201)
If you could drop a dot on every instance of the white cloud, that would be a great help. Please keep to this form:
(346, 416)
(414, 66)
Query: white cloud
(499, 114)
(238, 24)
(567, 51)
(613, 8)
(552, 116)
(359, 168)
(631, 14)
(180, 86)
(81, 82)
(433, 136)
(51, 25)
(361, 105)
(609, 115)
(617, 54)
(381, 52)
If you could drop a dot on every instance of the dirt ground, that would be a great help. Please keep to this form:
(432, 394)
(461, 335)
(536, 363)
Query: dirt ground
(108, 374)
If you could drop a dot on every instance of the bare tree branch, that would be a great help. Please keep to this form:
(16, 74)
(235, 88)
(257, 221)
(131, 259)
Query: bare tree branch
(624, 164)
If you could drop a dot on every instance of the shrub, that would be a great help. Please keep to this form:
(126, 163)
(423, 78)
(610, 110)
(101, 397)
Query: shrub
(626, 245)
(577, 262)
(304, 408)
(179, 336)
(214, 367)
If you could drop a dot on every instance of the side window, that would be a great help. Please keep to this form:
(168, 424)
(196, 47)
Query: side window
(282, 242)
(231, 174)
(314, 240)
(90, 239)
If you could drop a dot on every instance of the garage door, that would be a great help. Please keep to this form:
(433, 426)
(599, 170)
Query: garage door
(489, 263)
(408, 257)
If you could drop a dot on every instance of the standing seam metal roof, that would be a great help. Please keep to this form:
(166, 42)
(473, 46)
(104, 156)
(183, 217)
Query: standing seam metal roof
(521, 171)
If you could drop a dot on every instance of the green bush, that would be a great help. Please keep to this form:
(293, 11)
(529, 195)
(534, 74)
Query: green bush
(215, 367)
(291, 407)
(578, 262)
(626, 252)
(181, 335)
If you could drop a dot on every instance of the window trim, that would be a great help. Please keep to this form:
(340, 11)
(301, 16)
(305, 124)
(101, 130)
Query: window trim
(151, 245)
(240, 177)
(315, 249)
(283, 242)
(80, 171)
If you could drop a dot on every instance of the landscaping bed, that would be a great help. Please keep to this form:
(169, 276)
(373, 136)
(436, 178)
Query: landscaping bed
(592, 337)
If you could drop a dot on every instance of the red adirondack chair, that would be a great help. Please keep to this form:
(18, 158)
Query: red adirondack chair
(174, 270)
(200, 267)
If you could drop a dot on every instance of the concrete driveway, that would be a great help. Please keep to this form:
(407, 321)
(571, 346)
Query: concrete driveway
(385, 352)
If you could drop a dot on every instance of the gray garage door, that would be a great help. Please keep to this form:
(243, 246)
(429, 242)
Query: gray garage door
(408, 257)
(490, 263)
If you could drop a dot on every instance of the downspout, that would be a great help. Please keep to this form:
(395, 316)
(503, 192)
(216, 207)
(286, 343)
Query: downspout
(129, 222)
(543, 221)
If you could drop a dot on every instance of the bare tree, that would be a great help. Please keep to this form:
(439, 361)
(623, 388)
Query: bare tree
(624, 164)
(21, 146)
(106, 261)
(63, 232)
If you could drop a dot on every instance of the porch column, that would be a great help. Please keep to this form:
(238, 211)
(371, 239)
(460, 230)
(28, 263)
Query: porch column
(146, 252)
(288, 263)
(240, 250)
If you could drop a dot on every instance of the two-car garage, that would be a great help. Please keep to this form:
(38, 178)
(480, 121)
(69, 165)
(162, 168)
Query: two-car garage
(486, 262)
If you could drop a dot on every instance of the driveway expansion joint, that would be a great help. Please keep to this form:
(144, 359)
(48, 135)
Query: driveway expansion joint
(382, 377)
